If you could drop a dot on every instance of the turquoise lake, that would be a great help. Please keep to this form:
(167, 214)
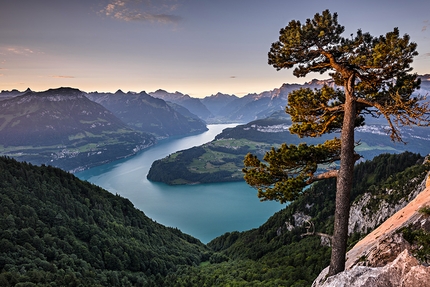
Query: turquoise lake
(204, 211)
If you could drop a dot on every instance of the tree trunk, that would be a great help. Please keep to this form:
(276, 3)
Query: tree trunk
(344, 183)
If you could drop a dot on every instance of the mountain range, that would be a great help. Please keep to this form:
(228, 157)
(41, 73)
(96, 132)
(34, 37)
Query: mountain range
(62, 127)
(74, 130)
(148, 114)
(224, 108)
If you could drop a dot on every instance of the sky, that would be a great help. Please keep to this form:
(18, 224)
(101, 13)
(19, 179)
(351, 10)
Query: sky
(196, 47)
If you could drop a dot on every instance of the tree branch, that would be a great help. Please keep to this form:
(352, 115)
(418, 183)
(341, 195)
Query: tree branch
(318, 234)
(321, 176)
(405, 113)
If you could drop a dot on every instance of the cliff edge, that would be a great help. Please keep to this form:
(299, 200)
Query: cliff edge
(388, 256)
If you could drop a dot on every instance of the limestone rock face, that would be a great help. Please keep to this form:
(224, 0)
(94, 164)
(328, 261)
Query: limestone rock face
(362, 220)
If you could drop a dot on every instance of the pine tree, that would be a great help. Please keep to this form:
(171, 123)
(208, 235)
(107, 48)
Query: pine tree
(373, 76)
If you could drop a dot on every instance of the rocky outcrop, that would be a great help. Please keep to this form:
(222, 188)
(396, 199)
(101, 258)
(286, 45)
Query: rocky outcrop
(363, 220)
(384, 257)
(404, 271)
(372, 209)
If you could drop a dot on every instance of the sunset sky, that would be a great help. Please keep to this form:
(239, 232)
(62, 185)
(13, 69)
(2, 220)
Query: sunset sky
(196, 47)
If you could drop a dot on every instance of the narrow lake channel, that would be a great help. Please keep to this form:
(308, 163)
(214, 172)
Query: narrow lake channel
(204, 211)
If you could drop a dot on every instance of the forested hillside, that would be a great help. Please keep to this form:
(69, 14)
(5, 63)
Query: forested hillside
(278, 253)
(57, 230)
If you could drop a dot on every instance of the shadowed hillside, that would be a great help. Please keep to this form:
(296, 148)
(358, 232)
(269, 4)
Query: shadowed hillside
(57, 230)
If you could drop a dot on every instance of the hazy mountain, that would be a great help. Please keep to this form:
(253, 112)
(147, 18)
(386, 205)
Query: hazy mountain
(222, 108)
(146, 113)
(227, 108)
(10, 94)
(216, 103)
(183, 111)
(194, 105)
(62, 127)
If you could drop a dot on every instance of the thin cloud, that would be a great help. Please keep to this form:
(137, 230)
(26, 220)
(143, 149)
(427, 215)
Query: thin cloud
(425, 26)
(140, 10)
(62, 77)
(17, 51)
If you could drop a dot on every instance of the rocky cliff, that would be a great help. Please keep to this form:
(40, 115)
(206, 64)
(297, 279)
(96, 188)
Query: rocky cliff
(371, 209)
(392, 254)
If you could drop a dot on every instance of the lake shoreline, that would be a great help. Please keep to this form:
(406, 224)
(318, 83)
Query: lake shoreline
(204, 211)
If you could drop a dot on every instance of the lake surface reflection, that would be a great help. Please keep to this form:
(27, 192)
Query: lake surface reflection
(204, 211)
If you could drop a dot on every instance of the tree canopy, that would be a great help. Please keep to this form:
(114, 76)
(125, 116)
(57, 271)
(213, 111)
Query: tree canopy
(371, 76)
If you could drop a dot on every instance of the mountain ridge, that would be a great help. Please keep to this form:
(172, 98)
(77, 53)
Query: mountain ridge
(62, 127)
(241, 109)
(148, 114)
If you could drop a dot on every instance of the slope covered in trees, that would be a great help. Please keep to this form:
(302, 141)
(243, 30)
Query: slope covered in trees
(57, 230)
(277, 253)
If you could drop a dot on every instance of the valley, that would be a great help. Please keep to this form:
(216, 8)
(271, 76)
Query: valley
(107, 222)
(97, 128)
(204, 211)
(69, 231)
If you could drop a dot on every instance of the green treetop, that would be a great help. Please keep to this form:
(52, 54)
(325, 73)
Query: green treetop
(373, 74)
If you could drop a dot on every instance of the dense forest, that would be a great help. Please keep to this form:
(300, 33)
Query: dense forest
(221, 164)
(57, 230)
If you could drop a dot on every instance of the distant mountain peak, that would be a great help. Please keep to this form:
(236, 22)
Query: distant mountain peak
(320, 82)
(52, 95)
(162, 94)
(62, 90)
(222, 95)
